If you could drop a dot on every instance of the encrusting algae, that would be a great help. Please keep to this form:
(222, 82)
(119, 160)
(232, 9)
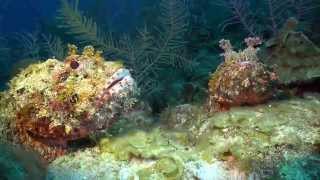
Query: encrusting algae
(52, 104)
(293, 56)
(160, 102)
(254, 139)
(244, 142)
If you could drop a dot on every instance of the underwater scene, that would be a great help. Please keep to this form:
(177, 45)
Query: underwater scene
(160, 90)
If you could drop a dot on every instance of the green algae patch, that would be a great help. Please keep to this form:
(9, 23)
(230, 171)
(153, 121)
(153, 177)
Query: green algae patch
(159, 150)
(250, 139)
(142, 144)
(169, 167)
(252, 134)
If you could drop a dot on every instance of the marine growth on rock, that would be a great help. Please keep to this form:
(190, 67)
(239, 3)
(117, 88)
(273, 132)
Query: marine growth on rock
(295, 58)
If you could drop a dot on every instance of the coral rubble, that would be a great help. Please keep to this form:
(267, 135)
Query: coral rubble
(56, 102)
(293, 55)
(241, 79)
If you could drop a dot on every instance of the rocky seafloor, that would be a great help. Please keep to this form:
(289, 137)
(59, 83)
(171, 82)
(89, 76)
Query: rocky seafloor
(277, 140)
(84, 117)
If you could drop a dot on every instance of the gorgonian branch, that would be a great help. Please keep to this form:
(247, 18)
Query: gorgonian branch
(240, 14)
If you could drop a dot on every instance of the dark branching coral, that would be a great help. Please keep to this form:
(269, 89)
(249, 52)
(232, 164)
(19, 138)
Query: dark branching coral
(71, 19)
(53, 46)
(276, 12)
(153, 49)
(36, 45)
(241, 14)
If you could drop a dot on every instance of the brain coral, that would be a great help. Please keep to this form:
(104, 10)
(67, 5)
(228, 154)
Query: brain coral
(241, 79)
(57, 102)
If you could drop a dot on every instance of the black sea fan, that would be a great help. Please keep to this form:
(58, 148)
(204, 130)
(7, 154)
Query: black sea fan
(266, 16)
(151, 50)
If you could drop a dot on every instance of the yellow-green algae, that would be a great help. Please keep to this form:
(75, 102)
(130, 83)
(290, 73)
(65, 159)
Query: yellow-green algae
(154, 154)
(252, 135)
(161, 148)
(6, 114)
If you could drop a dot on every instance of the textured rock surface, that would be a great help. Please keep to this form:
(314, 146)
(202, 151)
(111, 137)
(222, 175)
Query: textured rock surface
(294, 57)
(256, 138)
(245, 142)
(157, 154)
(181, 116)
(241, 79)
(6, 115)
(148, 155)
(56, 102)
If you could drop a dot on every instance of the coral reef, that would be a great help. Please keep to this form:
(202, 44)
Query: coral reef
(256, 138)
(294, 57)
(166, 156)
(258, 18)
(156, 154)
(140, 117)
(152, 154)
(243, 143)
(181, 116)
(56, 102)
(81, 115)
(150, 53)
(241, 79)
